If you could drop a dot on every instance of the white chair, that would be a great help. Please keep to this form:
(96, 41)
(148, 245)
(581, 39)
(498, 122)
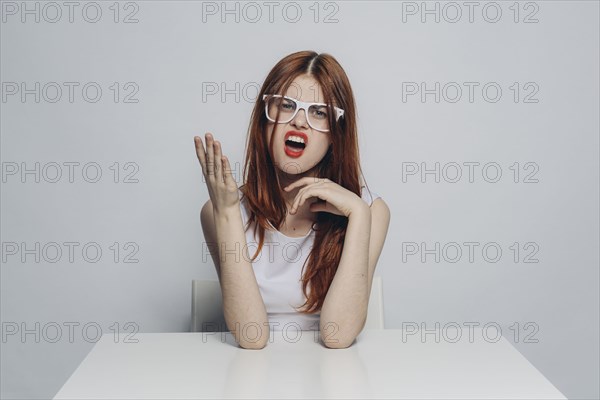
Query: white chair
(375, 318)
(207, 306)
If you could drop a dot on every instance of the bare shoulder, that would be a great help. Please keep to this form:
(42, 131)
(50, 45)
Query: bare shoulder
(380, 223)
(380, 211)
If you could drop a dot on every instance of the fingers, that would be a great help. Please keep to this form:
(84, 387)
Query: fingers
(294, 184)
(210, 155)
(312, 190)
(214, 164)
(297, 183)
(303, 194)
(320, 206)
(218, 159)
(227, 173)
(200, 153)
(303, 198)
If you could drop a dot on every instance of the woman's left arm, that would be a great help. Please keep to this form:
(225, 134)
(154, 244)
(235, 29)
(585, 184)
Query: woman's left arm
(344, 310)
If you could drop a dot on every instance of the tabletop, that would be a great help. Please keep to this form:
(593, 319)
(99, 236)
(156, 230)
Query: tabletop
(386, 363)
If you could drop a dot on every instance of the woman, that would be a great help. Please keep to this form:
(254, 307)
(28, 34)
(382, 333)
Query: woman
(319, 234)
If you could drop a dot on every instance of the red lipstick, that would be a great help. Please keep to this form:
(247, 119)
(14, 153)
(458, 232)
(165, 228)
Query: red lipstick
(294, 151)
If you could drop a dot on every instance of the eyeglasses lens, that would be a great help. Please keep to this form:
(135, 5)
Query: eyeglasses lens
(317, 115)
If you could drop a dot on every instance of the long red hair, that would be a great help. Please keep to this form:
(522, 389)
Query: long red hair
(341, 164)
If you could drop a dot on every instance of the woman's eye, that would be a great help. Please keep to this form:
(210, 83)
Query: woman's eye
(322, 114)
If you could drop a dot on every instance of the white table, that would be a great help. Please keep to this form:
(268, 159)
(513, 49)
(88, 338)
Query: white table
(380, 364)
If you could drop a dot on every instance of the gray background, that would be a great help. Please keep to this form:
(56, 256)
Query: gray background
(170, 52)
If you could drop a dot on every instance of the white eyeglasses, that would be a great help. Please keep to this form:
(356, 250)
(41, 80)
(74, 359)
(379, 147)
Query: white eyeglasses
(288, 107)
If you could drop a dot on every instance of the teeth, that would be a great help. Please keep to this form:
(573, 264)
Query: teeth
(297, 139)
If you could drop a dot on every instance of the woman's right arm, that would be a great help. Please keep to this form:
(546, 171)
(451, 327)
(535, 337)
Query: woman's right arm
(243, 306)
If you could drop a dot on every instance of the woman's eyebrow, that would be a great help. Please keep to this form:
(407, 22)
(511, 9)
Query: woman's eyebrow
(312, 102)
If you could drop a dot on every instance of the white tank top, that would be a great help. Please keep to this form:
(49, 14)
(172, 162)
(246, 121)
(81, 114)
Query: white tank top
(278, 271)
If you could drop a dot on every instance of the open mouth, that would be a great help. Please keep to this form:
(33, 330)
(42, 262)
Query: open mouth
(295, 143)
(294, 149)
(295, 146)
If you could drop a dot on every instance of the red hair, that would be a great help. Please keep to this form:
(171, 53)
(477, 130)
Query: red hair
(340, 164)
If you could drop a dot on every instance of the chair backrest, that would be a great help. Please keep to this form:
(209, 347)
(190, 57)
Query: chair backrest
(375, 319)
(207, 306)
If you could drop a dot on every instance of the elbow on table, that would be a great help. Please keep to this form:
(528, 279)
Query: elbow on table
(258, 345)
(339, 338)
(338, 343)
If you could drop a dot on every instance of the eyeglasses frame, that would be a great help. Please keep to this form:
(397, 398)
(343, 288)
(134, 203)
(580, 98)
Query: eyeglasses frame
(302, 105)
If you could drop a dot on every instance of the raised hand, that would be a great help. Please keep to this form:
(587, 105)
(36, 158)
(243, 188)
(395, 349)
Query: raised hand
(222, 188)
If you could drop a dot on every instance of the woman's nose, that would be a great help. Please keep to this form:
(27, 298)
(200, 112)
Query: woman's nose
(300, 119)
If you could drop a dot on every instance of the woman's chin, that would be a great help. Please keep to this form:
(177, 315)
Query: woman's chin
(291, 166)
